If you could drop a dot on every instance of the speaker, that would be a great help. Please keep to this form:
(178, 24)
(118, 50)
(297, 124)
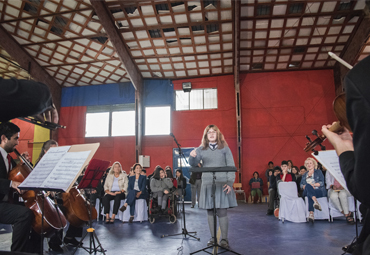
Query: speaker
(186, 86)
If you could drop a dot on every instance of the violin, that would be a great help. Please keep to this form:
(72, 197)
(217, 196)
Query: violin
(339, 107)
(36, 201)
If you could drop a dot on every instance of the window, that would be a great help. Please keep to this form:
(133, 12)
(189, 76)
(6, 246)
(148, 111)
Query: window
(110, 120)
(197, 99)
(97, 124)
(157, 120)
(123, 123)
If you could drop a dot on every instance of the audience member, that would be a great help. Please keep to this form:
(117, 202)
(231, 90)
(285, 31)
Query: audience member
(339, 196)
(160, 186)
(290, 165)
(273, 190)
(269, 170)
(256, 184)
(168, 173)
(285, 176)
(302, 170)
(136, 190)
(313, 185)
(181, 183)
(298, 177)
(115, 188)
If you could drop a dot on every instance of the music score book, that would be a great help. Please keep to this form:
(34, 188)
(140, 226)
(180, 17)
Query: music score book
(330, 160)
(60, 167)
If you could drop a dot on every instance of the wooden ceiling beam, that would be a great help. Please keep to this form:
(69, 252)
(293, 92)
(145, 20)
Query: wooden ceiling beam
(66, 39)
(45, 15)
(22, 57)
(106, 19)
(351, 52)
(303, 15)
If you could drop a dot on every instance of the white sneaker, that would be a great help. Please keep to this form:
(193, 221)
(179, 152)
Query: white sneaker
(317, 206)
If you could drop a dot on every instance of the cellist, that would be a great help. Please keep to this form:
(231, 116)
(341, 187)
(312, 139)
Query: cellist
(20, 216)
(72, 232)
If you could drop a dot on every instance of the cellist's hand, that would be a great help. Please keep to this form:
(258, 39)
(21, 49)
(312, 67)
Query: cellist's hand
(15, 186)
(341, 142)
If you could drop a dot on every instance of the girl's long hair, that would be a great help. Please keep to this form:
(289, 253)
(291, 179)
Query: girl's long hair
(221, 143)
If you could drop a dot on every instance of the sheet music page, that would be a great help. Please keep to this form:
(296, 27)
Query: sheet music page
(330, 160)
(66, 170)
(44, 167)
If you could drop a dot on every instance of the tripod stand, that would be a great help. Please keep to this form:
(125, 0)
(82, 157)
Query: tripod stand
(215, 245)
(92, 176)
(184, 230)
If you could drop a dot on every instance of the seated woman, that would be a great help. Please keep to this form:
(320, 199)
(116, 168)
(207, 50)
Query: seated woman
(181, 183)
(136, 190)
(313, 187)
(160, 187)
(298, 177)
(339, 196)
(115, 187)
(169, 174)
(256, 184)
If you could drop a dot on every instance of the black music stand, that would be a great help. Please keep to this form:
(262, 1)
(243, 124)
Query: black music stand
(214, 170)
(90, 180)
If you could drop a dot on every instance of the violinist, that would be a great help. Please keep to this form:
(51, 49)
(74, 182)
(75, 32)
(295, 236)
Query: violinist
(19, 216)
(72, 232)
(354, 152)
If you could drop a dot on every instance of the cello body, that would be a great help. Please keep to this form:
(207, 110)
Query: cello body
(54, 219)
(76, 208)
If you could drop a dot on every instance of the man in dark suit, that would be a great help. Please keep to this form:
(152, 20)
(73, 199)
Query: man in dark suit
(354, 153)
(19, 216)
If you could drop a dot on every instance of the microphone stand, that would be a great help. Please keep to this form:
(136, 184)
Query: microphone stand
(184, 232)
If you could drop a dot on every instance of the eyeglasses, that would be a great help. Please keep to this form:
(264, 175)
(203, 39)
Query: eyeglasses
(211, 132)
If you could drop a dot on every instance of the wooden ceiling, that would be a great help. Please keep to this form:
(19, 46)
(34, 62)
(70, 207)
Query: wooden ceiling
(176, 39)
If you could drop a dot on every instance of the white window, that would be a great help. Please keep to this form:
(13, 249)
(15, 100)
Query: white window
(123, 123)
(197, 99)
(157, 120)
(110, 120)
(97, 124)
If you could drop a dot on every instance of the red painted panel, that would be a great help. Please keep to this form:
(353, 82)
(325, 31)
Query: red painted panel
(278, 110)
(25, 137)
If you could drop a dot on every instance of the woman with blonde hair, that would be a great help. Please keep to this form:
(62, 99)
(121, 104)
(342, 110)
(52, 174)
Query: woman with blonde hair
(115, 188)
(214, 152)
(313, 187)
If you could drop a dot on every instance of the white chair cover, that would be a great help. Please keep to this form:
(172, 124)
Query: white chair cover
(320, 215)
(292, 207)
(334, 212)
(119, 214)
(141, 211)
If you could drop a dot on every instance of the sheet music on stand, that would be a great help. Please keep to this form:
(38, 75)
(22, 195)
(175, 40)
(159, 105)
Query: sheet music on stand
(330, 160)
(59, 168)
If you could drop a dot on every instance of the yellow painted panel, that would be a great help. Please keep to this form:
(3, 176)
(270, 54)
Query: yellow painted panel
(41, 135)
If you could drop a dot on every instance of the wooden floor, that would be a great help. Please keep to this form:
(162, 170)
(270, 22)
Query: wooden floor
(250, 232)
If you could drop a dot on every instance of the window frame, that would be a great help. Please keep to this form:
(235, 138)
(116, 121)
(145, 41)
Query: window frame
(203, 99)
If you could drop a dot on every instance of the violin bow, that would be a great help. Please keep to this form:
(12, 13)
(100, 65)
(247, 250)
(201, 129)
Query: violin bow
(333, 55)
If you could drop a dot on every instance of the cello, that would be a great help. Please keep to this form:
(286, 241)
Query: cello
(37, 201)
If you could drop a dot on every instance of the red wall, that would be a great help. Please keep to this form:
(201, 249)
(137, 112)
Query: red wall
(278, 110)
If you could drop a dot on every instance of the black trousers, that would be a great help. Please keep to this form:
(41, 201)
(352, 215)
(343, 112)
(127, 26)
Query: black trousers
(21, 218)
(117, 201)
(72, 232)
